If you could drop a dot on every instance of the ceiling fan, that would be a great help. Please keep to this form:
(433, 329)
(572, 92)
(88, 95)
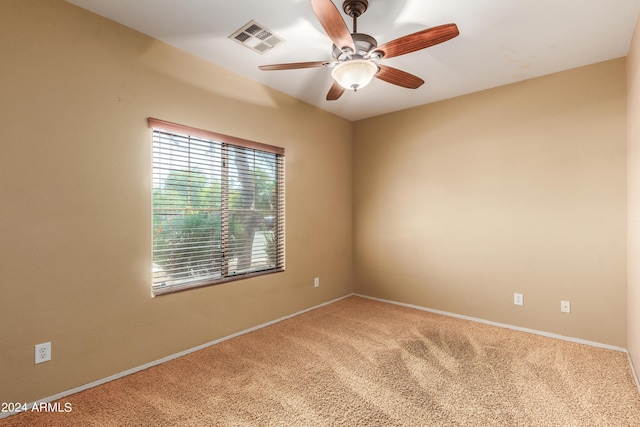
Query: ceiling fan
(356, 55)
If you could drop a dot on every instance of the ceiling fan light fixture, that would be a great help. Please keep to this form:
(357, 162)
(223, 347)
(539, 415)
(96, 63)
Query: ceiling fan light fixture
(355, 73)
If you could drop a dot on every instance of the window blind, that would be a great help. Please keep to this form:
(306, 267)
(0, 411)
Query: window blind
(218, 208)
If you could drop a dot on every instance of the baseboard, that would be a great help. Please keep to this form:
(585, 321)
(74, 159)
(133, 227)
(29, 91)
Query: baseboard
(501, 325)
(168, 358)
(633, 371)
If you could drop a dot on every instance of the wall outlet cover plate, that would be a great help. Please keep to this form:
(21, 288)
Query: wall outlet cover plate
(43, 352)
(518, 299)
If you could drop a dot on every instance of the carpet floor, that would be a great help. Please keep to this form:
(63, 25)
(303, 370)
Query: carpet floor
(359, 362)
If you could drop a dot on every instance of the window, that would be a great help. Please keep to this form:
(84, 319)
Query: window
(218, 208)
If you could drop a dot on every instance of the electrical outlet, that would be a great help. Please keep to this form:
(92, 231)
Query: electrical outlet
(518, 299)
(565, 306)
(43, 352)
(316, 282)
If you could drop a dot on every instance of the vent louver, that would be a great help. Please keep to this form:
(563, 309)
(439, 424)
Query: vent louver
(256, 37)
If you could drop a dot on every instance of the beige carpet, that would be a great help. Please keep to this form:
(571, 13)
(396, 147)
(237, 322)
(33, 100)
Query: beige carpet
(359, 362)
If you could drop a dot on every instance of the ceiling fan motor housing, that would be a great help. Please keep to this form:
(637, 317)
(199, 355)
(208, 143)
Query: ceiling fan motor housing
(364, 44)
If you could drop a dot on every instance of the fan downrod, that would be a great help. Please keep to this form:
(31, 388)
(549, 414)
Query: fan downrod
(355, 8)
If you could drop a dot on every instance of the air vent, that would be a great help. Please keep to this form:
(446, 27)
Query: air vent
(256, 37)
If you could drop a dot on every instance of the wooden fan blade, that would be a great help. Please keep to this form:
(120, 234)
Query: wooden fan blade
(333, 24)
(419, 40)
(398, 77)
(292, 66)
(335, 92)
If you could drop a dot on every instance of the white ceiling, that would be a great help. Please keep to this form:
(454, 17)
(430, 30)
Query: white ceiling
(500, 42)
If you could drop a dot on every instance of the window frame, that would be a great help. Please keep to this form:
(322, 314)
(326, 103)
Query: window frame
(227, 143)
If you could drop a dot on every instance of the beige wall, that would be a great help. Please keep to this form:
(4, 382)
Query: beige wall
(633, 191)
(461, 203)
(75, 192)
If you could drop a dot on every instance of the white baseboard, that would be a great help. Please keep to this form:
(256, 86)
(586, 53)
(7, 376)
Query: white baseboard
(501, 325)
(633, 371)
(168, 358)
